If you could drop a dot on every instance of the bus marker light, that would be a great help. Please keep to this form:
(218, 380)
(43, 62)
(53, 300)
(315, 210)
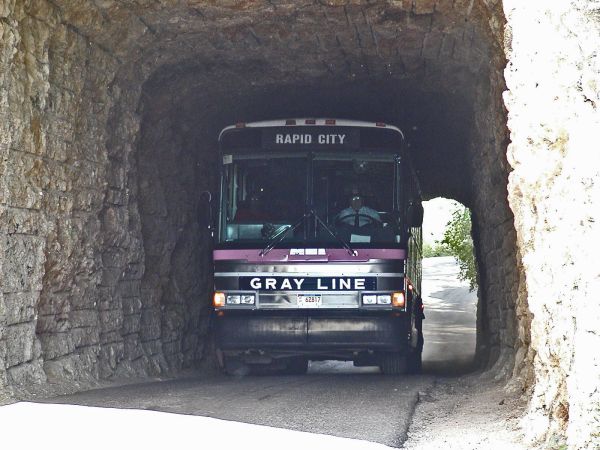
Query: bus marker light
(329, 121)
(218, 299)
(240, 125)
(398, 299)
(380, 124)
(290, 122)
(310, 121)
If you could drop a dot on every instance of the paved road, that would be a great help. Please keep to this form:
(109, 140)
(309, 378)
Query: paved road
(364, 406)
(450, 311)
(334, 398)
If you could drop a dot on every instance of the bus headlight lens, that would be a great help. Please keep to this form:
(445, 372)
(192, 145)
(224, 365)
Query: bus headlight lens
(247, 299)
(369, 299)
(240, 299)
(385, 299)
(233, 299)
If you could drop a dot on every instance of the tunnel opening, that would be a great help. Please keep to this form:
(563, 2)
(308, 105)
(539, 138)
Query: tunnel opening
(184, 107)
(120, 282)
(449, 288)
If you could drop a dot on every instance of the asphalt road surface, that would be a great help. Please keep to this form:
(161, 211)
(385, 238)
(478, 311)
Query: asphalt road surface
(450, 310)
(334, 398)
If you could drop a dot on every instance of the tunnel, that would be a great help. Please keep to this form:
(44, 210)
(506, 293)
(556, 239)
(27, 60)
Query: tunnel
(434, 93)
(111, 112)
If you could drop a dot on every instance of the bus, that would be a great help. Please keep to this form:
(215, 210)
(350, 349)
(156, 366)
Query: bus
(318, 247)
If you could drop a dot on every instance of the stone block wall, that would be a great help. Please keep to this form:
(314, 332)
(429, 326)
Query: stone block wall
(52, 171)
(71, 247)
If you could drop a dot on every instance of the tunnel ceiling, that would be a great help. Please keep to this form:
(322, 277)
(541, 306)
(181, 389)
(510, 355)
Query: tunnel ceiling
(418, 65)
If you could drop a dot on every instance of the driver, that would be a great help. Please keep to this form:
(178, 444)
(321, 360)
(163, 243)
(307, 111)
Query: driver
(357, 214)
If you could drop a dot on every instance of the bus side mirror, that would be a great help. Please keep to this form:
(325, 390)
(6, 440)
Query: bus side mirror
(415, 215)
(205, 219)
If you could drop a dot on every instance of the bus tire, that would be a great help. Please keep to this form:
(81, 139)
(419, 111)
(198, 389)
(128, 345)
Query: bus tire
(415, 361)
(297, 366)
(393, 363)
(415, 357)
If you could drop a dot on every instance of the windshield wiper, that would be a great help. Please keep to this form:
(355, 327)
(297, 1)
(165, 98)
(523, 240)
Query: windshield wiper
(281, 235)
(340, 240)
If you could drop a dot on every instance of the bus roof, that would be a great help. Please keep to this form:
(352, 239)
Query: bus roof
(308, 122)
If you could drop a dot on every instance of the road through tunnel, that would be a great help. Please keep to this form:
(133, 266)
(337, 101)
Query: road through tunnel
(113, 112)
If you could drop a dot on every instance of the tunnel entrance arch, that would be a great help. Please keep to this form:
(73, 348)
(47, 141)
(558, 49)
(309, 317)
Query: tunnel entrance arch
(140, 91)
(448, 103)
(440, 128)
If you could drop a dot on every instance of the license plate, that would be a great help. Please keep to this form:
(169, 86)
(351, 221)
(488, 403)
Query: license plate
(309, 300)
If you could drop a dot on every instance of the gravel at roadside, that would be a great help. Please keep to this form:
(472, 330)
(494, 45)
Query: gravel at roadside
(467, 413)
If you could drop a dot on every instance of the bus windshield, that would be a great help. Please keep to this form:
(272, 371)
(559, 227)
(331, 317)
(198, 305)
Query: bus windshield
(325, 199)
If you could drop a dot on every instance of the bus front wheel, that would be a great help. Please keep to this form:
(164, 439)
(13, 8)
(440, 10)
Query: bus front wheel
(415, 355)
(414, 362)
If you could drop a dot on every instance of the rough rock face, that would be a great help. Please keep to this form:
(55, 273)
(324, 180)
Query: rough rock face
(109, 113)
(554, 122)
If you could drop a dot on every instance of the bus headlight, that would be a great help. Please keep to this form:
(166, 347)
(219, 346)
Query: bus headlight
(247, 299)
(240, 299)
(233, 299)
(369, 299)
(384, 299)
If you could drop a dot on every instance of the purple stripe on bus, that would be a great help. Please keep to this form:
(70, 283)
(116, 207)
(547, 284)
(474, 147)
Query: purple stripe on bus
(331, 254)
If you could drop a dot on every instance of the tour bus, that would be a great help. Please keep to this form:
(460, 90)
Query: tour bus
(318, 247)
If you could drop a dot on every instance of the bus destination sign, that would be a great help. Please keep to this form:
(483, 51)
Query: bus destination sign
(309, 137)
(308, 283)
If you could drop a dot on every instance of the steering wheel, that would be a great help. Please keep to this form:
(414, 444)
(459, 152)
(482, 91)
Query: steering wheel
(371, 221)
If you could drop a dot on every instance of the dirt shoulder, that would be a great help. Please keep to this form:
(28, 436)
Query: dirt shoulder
(467, 413)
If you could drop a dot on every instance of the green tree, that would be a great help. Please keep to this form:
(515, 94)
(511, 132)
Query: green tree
(435, 249)
(458, 240)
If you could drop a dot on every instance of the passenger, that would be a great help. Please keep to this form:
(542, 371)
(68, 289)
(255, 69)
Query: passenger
(250, 210)
(357, 215)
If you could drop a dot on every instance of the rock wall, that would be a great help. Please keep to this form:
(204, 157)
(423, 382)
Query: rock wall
(499, 280)
(71, 244)
(53, 168)
(502, 321)
(553, 77)
(174, 167)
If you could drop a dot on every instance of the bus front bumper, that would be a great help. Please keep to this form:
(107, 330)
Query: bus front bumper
(311, 332)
